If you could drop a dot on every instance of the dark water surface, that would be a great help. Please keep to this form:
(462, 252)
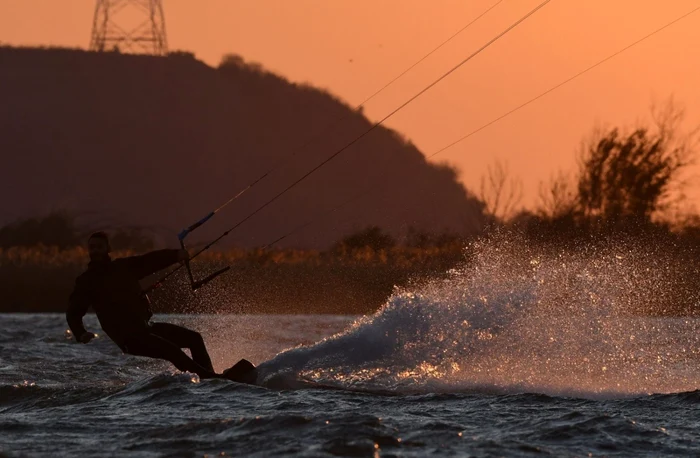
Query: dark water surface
(59, 398)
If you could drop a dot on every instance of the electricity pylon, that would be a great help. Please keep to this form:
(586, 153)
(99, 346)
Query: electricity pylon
(110, 33)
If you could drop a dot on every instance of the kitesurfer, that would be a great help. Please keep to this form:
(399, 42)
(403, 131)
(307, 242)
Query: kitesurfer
(112, 288)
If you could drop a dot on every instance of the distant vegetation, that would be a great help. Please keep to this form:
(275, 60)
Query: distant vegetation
(206, 131)
(627, 188)
(628, 183)
(60, 230)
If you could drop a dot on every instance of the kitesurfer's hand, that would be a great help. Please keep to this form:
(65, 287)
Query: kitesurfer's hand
(183, 256)
(86, 337)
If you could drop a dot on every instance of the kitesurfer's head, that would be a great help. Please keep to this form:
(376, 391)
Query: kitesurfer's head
(98, 246)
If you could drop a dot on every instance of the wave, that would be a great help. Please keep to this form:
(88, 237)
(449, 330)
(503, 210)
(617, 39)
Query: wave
(515, 319)
(18, 397)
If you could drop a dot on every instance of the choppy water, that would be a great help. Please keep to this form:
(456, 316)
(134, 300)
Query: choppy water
(520, 354)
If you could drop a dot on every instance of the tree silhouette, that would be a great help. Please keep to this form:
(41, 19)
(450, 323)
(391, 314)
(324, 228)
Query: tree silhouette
(557, 198)
(60, 229)
(372, 237)
(57, 229)
(500, 192)
(625, 178)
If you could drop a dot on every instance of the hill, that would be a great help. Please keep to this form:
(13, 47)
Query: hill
(160, 141)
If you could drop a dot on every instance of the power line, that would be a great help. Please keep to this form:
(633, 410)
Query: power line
(429, 54)
(553, 88)
(374, 126)
(342, 118)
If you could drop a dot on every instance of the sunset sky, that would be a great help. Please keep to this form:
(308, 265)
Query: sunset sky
(354, 47)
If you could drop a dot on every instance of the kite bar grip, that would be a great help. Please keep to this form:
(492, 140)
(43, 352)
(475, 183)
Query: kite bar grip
(185, 232)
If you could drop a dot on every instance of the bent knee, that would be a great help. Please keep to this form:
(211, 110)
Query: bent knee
(196, 338)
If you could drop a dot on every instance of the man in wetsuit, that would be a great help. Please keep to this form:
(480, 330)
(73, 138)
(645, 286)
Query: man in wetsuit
(112, 288)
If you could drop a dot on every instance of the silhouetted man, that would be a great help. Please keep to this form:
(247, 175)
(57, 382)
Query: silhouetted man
(112, 288)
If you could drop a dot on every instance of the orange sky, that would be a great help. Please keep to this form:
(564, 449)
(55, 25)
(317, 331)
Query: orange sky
(353, 47)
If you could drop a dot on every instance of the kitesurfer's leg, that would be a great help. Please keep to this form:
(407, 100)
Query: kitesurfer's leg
(184, 338)
(153, 346)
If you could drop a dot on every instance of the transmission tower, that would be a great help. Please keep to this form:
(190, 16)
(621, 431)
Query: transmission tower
(146, 34)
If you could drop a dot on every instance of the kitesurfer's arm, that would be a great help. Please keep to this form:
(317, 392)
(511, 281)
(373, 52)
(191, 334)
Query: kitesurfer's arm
(147, 264)
(78, 305)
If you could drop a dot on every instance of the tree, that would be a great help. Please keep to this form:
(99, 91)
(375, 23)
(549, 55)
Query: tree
(61, 229)
(416, 238)
(500, 192)
(57, 229)
(372, 237)
(628, 177)
(557, 198)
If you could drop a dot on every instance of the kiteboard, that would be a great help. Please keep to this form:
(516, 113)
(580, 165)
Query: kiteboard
(242, 372)
(245, 372)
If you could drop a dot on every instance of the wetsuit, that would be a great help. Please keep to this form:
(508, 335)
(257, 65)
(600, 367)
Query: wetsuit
(112, 288)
